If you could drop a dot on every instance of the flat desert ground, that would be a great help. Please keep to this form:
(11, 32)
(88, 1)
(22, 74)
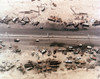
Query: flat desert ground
(15, 8)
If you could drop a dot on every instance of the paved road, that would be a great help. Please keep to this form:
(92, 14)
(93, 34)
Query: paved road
(92, 35)
(44, 40)
(24, 30)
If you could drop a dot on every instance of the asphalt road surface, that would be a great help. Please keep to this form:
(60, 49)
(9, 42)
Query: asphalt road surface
(35, 30)
(28, 34)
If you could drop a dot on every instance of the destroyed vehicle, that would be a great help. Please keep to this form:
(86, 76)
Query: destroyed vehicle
(89, 47)
(47, 65)
(22, 22)
(93, 57)
(6, 20)
(37, 40)
(54, 63)
(55, 5)
(6, 66)
(96, 23)
(21, 69)
(59, 20)
(33, 53)
(77, 61)
(77, 58)
(43, 51)
(76, 52)
(29, 65)
(25, 19)
(82, 62)
(3, 45)
(63, 50)
(15, 19)
(49, 53)
(98, 52)
(85, 25)
(70, 48)
(70, 24)
(43, 9)
(10, 46)
(17, 50)
(16, 40)
(54, 19)
(41, 27)
(68, 61)
(1, 41)
(80, 45)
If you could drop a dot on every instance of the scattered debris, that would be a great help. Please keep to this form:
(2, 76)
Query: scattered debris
(32, 0)
(6, 66)
(26, 12)
(21, 69)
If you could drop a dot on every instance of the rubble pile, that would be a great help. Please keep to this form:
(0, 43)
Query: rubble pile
(22, 21)
(83, 56)
(74, 57)
(43, 65)
(74, 63)
(48, 65)
(83, 22)
(77, 56)
(55, 19)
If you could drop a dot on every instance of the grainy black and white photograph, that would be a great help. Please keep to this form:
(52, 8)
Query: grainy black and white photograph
(49, 39)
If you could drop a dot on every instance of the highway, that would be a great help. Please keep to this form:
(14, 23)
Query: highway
(28, 34)
(35, 30)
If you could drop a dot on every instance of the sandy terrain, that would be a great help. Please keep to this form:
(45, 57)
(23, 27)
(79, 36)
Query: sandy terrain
(18, 59)
(16, 7)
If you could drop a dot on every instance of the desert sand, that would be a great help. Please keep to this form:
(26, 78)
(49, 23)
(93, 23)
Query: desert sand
(14, 8)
